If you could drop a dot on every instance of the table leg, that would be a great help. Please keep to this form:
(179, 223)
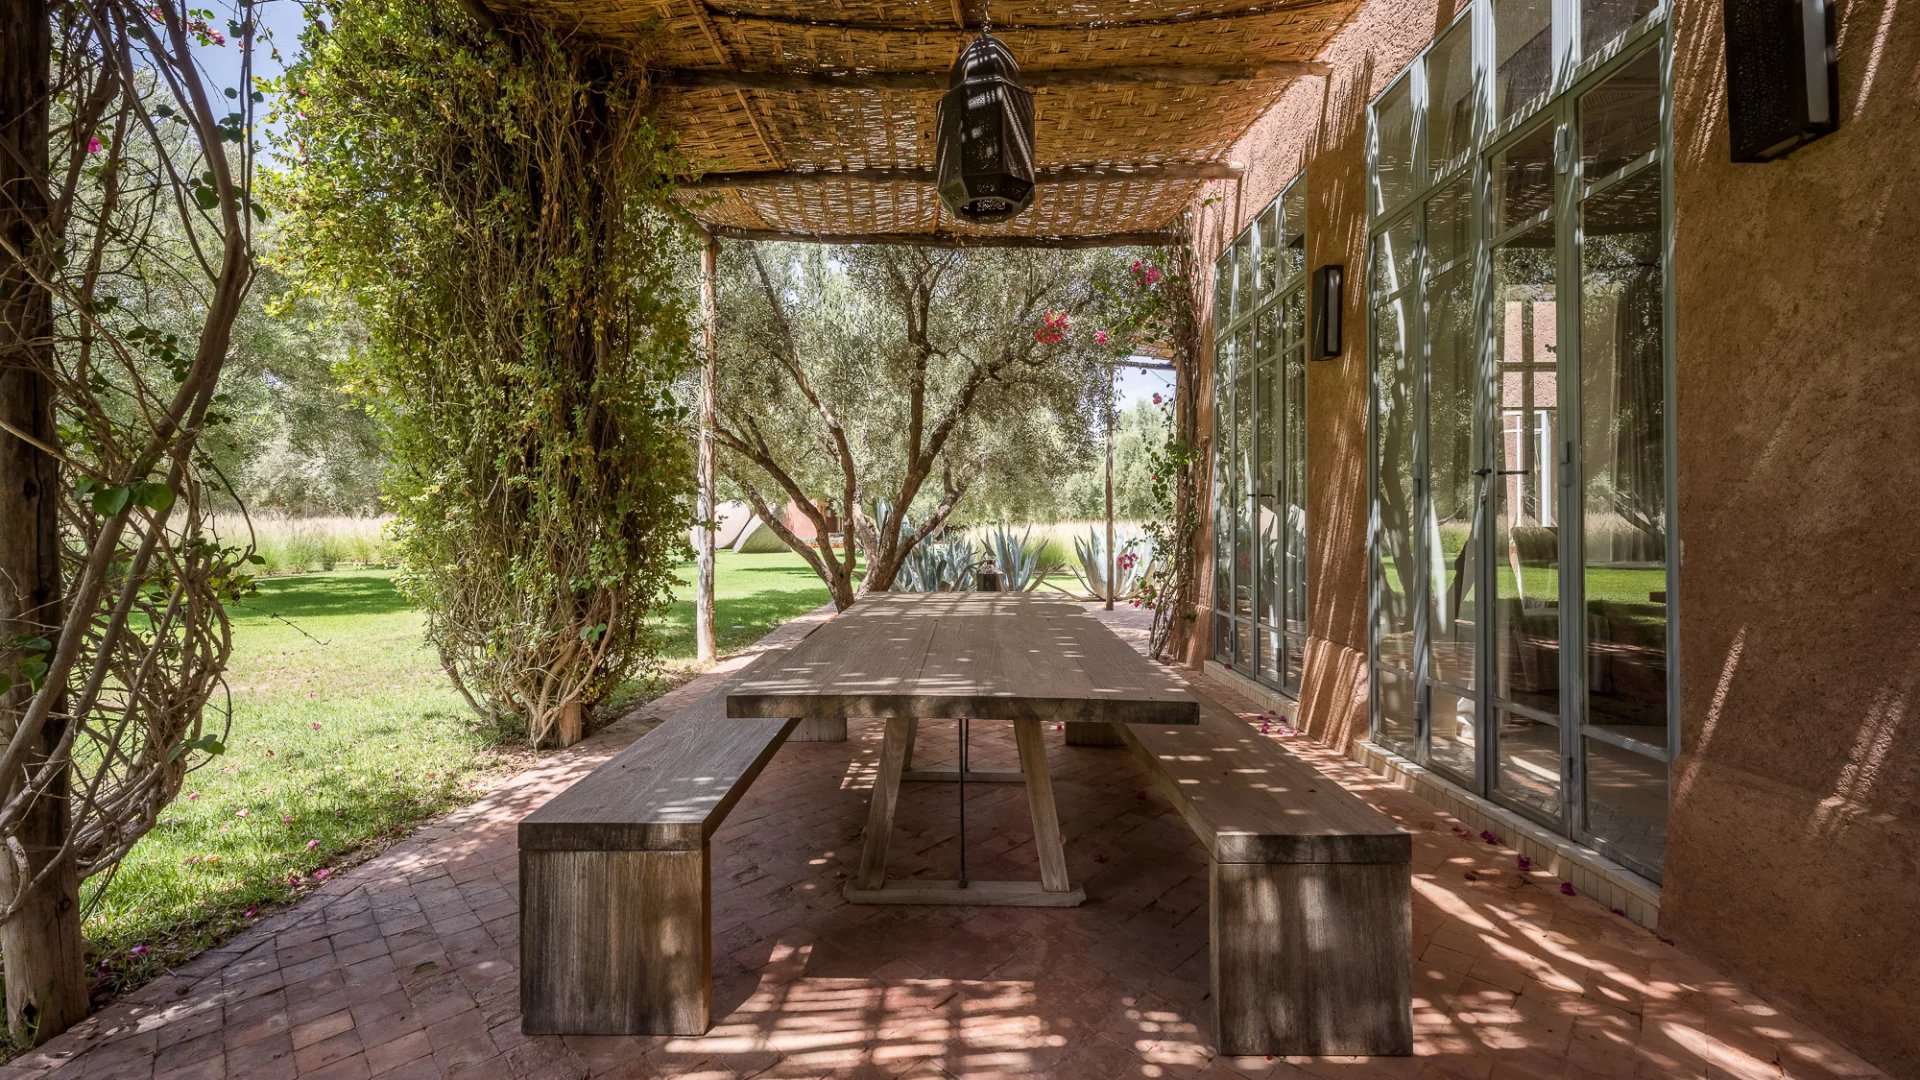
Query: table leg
(1046, 815)
(886, 794)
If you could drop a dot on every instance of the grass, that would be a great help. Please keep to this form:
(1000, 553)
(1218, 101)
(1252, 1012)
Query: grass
(314, 544)
(346, 734)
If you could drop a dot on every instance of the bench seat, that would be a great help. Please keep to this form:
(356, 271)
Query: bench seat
(615, 877)
(1311, 890)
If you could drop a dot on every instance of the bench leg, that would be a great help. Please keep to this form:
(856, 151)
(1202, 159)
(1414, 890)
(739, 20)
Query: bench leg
(615, 942)
(1081, 733)
(820, 729)
(1313, 958)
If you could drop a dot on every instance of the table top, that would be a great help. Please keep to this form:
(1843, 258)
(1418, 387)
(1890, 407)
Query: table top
(981, 656)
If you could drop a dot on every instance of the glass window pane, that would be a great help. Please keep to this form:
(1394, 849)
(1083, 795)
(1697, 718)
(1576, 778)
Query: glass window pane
(1223, 486)
(1624, 488)
(1522, 54)
(1600, 20)
(1243, 657)
(1222, 293)
(1393, 259)
(1620, 118)
(1393, 147)
(1528, 770)
(1266, 488)
(1222, 637)
(1451, 732)
(1526, 536)
(1294, 228)
(1449, 224)
(1245, 444)
(1295, 432)
(1296, 663)
(1267, 237)
(1523, 178)
(1395, 562)
(1450, 101)
(1244, 289)
(1393, 690)
(1627, 805)
(1455, 514)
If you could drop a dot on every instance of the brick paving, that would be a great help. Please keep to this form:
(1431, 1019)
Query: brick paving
(406, 966)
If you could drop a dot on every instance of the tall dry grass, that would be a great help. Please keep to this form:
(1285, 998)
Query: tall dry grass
(309, 544)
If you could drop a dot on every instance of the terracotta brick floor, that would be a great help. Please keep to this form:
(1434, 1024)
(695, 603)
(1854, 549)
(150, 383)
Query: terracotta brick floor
(407, 965)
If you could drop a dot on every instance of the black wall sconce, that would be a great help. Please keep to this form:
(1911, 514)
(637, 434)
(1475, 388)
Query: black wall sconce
(1783, 80)
(1327, 302)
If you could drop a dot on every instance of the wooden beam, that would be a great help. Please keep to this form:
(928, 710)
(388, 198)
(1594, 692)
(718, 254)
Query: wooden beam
(1064, 174)
(943, 239)
(1034, 79)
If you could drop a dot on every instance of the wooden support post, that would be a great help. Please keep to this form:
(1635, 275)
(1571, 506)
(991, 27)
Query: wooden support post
(46, 978)
(1113, 557)
(615, 942)
(1046, 816)
(705, 648)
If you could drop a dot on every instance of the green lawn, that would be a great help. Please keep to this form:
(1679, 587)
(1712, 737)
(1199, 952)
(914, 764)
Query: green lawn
(345, 735)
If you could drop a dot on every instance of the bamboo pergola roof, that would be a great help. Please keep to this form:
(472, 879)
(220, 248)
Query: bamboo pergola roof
(813, 119)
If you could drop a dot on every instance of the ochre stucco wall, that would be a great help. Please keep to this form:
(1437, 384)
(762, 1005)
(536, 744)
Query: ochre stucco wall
(1320, 123)
(1794, 850)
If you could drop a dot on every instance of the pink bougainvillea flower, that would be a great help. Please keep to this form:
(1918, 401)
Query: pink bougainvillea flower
(1156, 399)
(1523, 862)
(192, 796)
(93, 144)
(1619, 911)
(313, 845)
(253, 912)
(322, 874)
(1099, 337)
(1140, 794)
(316, 725)
(1489, 837)
(1566, 888)
(286, 821)
(242, 812)
(138, 950)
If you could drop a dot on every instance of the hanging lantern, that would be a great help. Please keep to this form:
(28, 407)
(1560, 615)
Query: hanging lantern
(984, 153)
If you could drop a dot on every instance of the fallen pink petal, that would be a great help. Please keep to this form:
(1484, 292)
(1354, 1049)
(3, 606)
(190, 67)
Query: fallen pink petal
(1566, 888)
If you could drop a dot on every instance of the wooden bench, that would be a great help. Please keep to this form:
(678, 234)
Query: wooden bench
(615, 877)
(1312, 893)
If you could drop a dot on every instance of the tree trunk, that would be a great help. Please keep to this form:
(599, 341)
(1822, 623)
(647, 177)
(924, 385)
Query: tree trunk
(46, 985)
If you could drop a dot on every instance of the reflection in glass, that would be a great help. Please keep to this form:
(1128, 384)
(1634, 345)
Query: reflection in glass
(1265, 488)
(1528, 772)
(1450, 103)
(1454, 518)
(1294, 433)
(1449, 224)
(1394, 688)
(1222, 485)
(1600, 20)
(1393, 146)
(1624, 488)
(1395, 564)
(1525, 496)
(1393, 259)
(1246, 445)
(1267, 240)
(1522, 54)
(1245, 290)
(1627, 804)
(1523, 178)
(1620, 118)
(1293, 229)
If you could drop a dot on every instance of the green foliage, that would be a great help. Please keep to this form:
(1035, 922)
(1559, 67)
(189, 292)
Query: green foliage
(936, 566)
(496, 207)
(1022, 558)
(1139, 434)
(1133, 564)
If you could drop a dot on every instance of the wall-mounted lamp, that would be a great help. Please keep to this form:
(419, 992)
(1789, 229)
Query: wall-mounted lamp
(1327, 301)
(1783, 81)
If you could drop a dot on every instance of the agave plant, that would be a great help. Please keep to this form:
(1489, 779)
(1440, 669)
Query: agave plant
(1134, 563)
(1021, 558)
(936, 566)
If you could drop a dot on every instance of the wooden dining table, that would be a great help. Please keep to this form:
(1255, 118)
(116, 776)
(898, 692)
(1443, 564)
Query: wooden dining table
(1013, 657)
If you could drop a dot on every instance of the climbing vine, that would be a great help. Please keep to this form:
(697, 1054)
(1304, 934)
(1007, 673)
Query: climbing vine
(496, 205)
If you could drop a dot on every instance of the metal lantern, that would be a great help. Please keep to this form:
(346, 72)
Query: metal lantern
(984, 157)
